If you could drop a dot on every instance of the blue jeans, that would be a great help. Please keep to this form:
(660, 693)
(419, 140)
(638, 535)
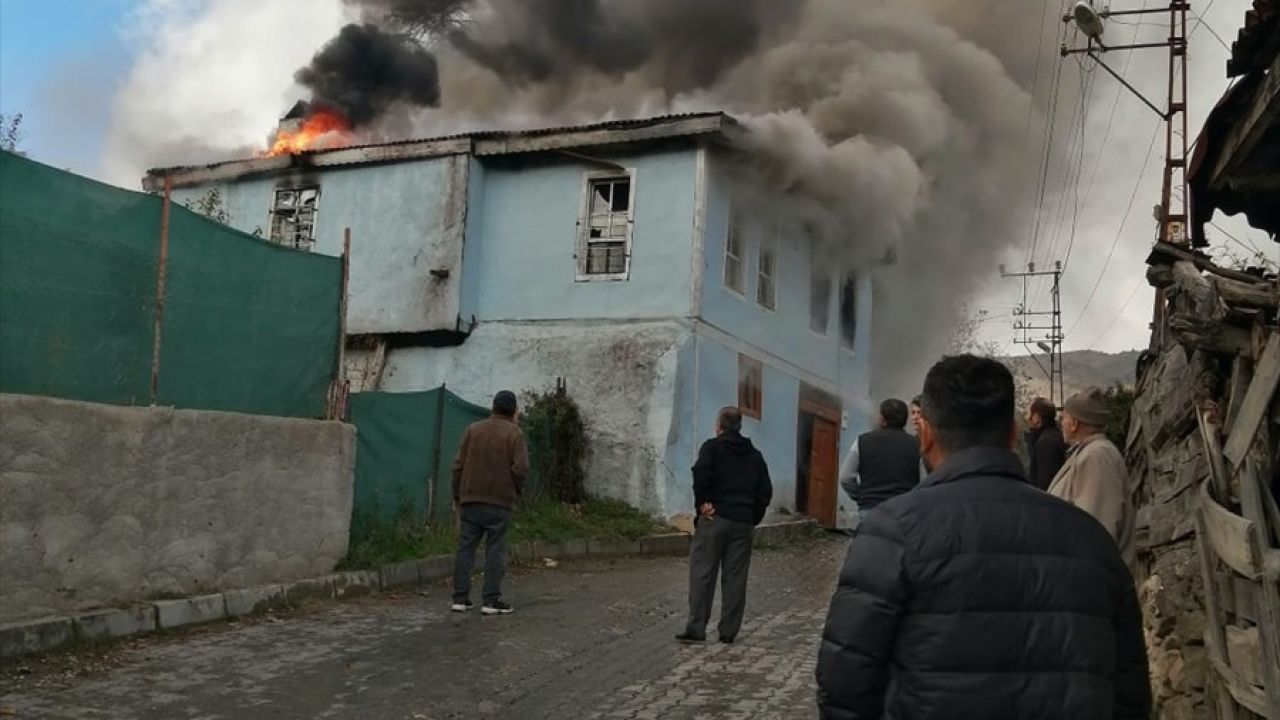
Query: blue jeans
(490, 522)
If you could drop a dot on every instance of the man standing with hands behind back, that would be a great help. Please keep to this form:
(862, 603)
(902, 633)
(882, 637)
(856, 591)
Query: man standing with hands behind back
(732, 491)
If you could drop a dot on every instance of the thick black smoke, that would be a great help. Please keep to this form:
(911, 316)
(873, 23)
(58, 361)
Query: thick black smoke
(365, 70)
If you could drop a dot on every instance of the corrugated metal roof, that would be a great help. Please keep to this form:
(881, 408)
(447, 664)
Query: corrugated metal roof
(473, 136)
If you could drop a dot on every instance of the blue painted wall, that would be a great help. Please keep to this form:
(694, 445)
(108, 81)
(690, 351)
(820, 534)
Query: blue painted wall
(524, 220)
(406, 220)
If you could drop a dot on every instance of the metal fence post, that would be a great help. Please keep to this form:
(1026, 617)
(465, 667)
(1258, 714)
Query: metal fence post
(161, 280)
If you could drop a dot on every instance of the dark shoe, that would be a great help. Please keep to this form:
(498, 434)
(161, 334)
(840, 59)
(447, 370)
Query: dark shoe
(727, 639)
(689, 638)
(497, 607)
(461, 605)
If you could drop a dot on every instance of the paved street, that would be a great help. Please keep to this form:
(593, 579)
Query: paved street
(590, 639)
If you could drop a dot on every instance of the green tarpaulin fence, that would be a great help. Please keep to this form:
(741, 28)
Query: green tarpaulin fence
(249, 326)
(405, 445)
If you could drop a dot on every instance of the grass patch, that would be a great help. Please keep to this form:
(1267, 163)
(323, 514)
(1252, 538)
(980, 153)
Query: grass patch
(592, 520)
(544, 520)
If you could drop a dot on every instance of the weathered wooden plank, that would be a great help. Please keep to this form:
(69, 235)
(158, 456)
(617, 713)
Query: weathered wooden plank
(1167, 254)
(1244, 598)
(1229, 536)
(1241, 375)
(1247, 695)
(1213, 454)
(1256, 402)
(1267, 596)
(1244, 653)
(1261, 296)
(1215, 639)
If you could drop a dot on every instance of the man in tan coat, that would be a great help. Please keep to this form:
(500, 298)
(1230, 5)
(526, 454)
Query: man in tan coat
(1094, 477)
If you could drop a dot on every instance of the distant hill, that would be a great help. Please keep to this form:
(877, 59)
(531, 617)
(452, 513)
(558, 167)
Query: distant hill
(1082, 368)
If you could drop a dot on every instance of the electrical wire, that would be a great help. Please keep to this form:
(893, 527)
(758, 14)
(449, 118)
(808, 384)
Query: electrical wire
(1132, 294)
(1119, 231)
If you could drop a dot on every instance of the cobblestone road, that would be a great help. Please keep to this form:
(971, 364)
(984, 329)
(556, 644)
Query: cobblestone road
(590, 639)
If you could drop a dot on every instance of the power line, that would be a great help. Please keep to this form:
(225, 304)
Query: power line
(1044, 161)
(1250, 247)
(1119, 231)
(1132, 294)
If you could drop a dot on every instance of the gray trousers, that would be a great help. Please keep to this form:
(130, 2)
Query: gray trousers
(477, 521)
(720, 547)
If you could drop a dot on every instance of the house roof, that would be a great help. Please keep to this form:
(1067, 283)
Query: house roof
(1258, 40)
(715, 125)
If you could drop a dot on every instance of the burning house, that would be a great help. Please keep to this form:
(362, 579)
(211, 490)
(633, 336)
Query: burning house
(630, 258)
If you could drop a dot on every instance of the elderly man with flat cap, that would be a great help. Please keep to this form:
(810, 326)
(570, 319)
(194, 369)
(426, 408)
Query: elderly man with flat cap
(1094, 477)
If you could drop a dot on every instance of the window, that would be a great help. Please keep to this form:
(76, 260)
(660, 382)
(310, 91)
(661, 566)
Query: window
(767, 271)
(293, 217)
(735, 270)
(819, 293)
(606, 246)
(750, 387)
(849, 310)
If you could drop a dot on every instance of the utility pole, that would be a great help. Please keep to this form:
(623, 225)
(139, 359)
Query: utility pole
(1027, 323)
(1172, 214)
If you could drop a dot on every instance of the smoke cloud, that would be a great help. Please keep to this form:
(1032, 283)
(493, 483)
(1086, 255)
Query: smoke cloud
(905, 136)
(365, 70)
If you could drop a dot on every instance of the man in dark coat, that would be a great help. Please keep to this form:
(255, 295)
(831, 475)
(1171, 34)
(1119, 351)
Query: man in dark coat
(1046, 448)
(883, 463)
(731, 491)
(977, 596)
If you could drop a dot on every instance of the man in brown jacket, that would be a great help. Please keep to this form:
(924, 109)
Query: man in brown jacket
(1094, 477)
(488, 476)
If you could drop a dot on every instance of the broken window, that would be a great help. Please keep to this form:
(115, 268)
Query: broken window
(767, 271)
(293, 217)
(735, 270)
(819, 293)
(849, 310)
(607, 246)
(750, 387)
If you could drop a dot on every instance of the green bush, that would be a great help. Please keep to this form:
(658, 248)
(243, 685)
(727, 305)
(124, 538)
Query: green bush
(557, 440)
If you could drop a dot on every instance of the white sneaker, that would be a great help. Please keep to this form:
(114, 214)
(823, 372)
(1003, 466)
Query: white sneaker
(461, 606)
(497, 607)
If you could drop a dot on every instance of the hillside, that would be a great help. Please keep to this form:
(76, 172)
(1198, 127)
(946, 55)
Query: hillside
(1083, 368)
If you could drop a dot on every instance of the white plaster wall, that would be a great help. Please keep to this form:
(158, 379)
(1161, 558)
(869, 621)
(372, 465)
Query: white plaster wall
(622, 374)
(101, 505)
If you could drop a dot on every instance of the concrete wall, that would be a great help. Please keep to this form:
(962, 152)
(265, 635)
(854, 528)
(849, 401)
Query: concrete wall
(101, 505)
(406, 220)
(524, 237)
(622, 374)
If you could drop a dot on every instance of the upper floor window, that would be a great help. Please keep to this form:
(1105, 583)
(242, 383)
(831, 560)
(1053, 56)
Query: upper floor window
(293, 216)
(750, 387)
(819, 294)
(605, 246)
(767, 270)
(849, 310)
(735, 267)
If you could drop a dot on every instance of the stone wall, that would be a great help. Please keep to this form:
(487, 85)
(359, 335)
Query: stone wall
(101, 505)
(1166, 459)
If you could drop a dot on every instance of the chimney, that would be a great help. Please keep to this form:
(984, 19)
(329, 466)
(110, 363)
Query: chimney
(292, 120)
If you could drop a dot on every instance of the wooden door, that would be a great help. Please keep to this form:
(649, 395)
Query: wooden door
(824, 485)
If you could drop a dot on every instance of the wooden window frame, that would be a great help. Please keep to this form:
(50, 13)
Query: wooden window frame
(750, 387)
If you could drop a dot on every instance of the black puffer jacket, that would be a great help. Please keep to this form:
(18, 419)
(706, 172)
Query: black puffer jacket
(732, 475)
(978, 597)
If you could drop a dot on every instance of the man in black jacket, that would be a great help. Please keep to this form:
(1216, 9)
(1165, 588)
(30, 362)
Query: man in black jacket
(977, 596)
(1046, 448)
(731, 491)
(883, 463)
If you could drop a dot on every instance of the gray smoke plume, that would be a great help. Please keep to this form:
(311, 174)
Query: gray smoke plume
(905, 135)
(366, 70)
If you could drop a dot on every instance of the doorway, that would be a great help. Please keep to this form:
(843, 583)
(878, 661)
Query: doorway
(818, 456)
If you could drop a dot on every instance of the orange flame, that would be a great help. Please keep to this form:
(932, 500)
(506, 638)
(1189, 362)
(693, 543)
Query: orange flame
(322, 130)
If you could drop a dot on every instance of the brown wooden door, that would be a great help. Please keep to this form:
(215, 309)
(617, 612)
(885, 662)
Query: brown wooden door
(824, 485)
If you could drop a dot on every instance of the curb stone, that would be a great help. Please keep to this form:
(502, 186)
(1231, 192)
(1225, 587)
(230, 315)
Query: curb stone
(32, 636)
(251, 601)
(108, 624)
(53, 633)
(190, 611)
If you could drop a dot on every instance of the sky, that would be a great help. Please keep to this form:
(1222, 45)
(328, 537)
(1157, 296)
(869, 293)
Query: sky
(99, 81)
